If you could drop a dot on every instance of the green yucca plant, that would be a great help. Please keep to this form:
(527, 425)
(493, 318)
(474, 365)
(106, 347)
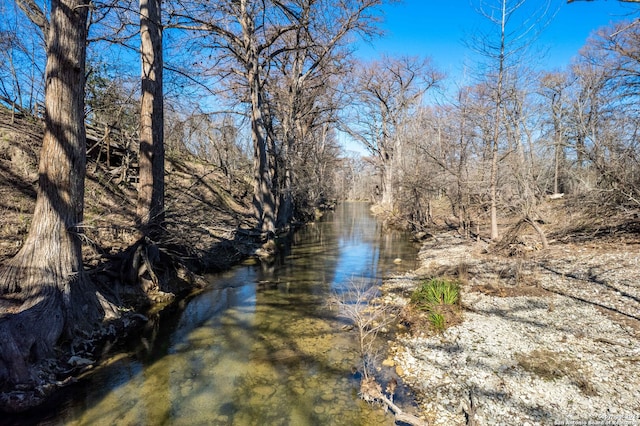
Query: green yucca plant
(437, 291)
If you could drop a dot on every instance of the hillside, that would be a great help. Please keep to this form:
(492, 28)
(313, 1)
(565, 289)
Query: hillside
(216, 206)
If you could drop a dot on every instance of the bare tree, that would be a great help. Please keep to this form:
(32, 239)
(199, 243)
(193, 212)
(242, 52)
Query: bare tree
(438, 163)
(301, 83)
(246, 33)
(502, 51)
(277, 59)
(554, 90)
(587, 107)
(387, 91)
(22, 58)
(499, 52)
(603, 114)
(44, 290)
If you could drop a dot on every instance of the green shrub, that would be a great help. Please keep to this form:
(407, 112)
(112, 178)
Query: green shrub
(437, 291)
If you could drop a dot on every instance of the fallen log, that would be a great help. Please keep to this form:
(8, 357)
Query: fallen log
(371, 391)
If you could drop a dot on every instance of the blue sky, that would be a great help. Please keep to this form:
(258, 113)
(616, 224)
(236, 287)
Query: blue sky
(437, 28)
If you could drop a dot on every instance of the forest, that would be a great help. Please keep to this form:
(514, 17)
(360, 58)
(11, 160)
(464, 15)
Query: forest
(118, 96)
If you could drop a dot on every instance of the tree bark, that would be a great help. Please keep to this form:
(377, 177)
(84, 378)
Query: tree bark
(493, 184)
(387, 180)
(263, 197)
(150, 208)
(43, 289)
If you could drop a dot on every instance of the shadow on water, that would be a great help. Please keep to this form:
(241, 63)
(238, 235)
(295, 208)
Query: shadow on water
(259, 347)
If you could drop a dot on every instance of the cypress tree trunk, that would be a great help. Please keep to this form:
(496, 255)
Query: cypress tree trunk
(263, 198)
(150, 207)
(43, 289)
(264, 201)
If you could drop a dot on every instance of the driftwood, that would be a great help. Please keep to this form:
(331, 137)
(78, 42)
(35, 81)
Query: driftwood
(371, 391)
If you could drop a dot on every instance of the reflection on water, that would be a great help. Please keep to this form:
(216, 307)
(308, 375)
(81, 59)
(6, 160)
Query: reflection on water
(260, 347)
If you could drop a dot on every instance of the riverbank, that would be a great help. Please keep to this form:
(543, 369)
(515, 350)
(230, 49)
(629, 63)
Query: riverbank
(547, 338)
(208, 227)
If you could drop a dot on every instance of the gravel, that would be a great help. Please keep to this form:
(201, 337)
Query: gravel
(552, 339)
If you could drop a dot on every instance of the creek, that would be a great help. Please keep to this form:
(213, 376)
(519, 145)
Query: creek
(260, 346)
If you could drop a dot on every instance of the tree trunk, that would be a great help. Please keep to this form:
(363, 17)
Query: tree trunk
(556, 161)
(150, 207)
(493, 189)
(386, 174)
(285, 209)
(43, 289)
(386, 157)
(496, 130)
(290, 123)
(387, 187)
(263, 198)
(538, 229)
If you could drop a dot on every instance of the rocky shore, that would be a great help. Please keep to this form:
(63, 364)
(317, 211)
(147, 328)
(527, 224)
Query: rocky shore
(550, 338)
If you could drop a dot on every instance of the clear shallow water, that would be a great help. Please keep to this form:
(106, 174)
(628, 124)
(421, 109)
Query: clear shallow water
(259, 347)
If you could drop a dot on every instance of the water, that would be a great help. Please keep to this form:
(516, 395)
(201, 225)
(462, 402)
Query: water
(259, 347)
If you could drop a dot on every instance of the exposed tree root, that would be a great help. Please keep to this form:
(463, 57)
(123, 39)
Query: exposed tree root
(34, 320)
(149, 270)
(138, 265)
(371, 391)
(42, 305)
(70, 361)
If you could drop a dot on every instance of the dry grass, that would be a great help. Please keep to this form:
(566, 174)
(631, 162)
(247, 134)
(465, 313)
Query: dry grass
(550, 365)
(201, 213)
(422, 322)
